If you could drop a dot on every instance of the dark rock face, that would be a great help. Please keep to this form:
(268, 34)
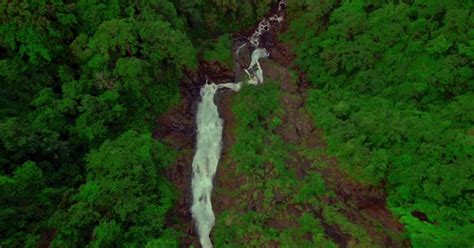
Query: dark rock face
(242, 58)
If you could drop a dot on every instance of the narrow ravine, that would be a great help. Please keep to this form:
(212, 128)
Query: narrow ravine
(209, 134)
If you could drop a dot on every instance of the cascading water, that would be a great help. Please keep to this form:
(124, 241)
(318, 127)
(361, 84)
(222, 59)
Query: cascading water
(206, 158)
(209, 136)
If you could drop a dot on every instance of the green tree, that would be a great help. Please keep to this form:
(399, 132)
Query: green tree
(73, 75)
(24, 198)
(125, 198)
(390, 86)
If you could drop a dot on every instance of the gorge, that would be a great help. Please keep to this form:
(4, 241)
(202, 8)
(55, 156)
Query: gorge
(209, 135)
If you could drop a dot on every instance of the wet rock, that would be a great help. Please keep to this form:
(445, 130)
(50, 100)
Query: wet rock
(242, 59)
(214, 72)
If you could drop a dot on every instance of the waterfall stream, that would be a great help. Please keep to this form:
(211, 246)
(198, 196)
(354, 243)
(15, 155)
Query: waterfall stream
(209, 136)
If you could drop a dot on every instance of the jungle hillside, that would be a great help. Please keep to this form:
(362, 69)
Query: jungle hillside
(361, 135)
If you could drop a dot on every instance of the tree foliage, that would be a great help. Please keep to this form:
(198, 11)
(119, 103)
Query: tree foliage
(125, 197)
(392, 83)
(82, 84)
(209, 18)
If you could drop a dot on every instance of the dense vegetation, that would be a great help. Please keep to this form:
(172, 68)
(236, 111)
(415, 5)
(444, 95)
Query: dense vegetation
(393, 90)
(280, 197)
(262, 160)
(82, 83)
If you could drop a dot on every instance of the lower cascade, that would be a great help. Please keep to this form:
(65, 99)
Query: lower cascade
(209, 138)
(206, 158)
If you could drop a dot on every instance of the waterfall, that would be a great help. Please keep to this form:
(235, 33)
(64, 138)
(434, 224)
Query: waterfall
(209, 137)
(257, 76)
(206, 158)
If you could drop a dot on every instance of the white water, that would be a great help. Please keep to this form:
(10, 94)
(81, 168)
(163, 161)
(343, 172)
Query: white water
(206, 158)
(257, 77)
(209, 137)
